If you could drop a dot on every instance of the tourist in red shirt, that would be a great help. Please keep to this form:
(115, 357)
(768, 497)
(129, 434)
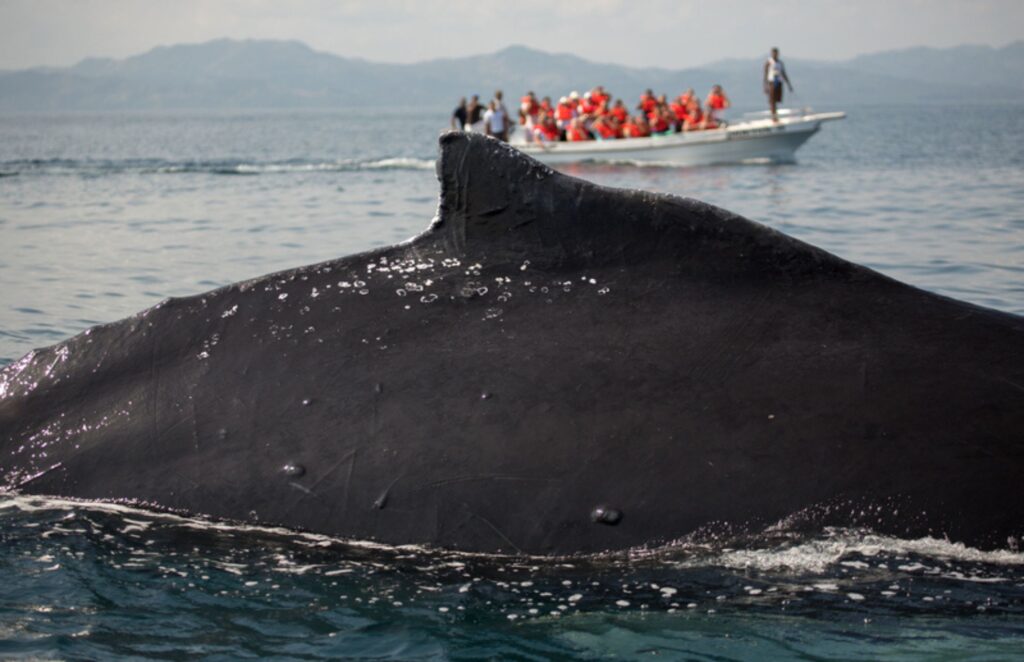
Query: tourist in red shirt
(659, 121)
(619, 112)
(546, 130)
(716, 102)
(576, 131)
(587, 105)
(694, 116)
(530, 107)
(636, 127)
(639, 128)
(606, 128)
(647, 102)
(645, 126)
(678, 110)
(564, 113)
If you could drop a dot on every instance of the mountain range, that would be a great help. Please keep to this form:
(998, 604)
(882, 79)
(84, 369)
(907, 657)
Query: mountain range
(250, 74)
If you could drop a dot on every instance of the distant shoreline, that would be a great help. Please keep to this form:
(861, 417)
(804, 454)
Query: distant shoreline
(265, 75)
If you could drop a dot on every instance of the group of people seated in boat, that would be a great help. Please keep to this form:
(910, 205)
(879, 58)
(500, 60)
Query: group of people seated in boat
(593, 116)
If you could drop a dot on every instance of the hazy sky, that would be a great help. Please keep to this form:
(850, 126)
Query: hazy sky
(671, 33)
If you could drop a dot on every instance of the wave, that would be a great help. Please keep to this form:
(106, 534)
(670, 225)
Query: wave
(845, 594)
(845, 572)
(808, 553)
(104, 167)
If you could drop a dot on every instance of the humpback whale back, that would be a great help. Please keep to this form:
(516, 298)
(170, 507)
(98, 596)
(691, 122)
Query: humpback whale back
(552, 367)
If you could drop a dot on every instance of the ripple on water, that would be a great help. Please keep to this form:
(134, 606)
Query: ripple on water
(50, 334)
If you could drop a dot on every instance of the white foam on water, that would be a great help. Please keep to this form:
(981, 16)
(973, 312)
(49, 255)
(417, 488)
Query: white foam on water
(400, 163)
(221, 167)
(819, 554)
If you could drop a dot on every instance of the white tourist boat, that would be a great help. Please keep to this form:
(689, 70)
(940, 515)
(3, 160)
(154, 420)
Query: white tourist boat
(753, 139)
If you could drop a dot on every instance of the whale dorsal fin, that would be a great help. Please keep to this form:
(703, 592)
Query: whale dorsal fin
(499, 203)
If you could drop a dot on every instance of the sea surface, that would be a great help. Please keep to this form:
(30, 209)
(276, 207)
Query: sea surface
(102, 215)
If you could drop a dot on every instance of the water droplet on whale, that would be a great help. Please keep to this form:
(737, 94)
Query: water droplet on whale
(605, 515)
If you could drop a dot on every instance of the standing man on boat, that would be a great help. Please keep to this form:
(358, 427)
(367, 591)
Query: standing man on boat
(774, 75)
(474, 115)
(496, 121)
(499, 107)
(459, 115)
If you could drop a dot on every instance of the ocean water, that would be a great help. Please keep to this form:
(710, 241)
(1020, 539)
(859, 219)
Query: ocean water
(102, 215)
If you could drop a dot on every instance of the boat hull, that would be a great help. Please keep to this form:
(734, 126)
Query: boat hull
(754, 141)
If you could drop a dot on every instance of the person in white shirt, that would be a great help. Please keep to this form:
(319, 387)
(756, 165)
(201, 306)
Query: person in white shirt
(496, 122)
(499, 105)
(774, 75)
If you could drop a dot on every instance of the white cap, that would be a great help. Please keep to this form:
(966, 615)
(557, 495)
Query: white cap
(574, 95)
(564, 100)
